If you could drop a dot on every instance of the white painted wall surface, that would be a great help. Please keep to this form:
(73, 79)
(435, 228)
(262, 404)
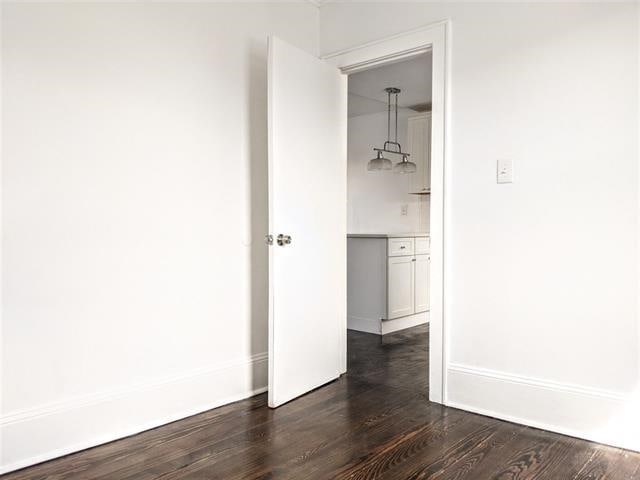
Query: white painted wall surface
(134, 207)
(375, 198)
(542, 274)
(134, 204)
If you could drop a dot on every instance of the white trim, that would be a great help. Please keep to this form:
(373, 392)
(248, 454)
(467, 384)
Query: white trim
(384, 43)
(361, 324)
(536, 382)
(446, 167)
(397, 324)
(565, 408)
(270, 188)
(38, 434)
(434, 37)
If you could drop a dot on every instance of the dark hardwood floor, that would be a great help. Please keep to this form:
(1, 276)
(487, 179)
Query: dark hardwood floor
(374, 422)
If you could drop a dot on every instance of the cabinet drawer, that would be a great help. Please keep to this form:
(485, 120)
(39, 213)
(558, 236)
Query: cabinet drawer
(397, 247)
(423, 245)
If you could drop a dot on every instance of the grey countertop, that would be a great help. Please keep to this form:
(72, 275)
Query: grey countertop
(387, 235)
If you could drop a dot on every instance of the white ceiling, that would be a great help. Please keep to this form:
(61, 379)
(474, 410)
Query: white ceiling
(413, 77)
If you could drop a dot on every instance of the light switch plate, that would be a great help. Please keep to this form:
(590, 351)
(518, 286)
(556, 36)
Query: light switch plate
(404, 210)
(504, 172)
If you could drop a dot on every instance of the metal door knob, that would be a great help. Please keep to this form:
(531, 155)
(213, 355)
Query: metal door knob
(284, 240)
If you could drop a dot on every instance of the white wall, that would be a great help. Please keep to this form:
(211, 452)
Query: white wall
(134, 204)
(134, 209)
(375, 198)
(541, 275)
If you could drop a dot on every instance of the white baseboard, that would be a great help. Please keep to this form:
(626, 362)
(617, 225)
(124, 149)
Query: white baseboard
(49, 431)
(389, 326)
(382, 327)
(368, 325)
(602, 416)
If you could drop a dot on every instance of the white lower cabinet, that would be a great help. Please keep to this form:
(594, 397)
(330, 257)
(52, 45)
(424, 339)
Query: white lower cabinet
(421, 282)
(400, 286)
(387, 282)
(407, 285)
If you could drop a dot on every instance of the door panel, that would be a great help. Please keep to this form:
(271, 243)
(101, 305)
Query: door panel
(422, 265)
(399, 286)
(307, 200)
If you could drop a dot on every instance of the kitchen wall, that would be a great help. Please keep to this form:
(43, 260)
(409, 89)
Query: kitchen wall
(541, 276)
(134, 208)
(375, 199)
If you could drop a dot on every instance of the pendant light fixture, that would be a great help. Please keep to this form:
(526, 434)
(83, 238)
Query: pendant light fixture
(381, 162)
(405, 166)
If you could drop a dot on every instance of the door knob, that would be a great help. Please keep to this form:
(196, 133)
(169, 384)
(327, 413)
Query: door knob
(284, 240)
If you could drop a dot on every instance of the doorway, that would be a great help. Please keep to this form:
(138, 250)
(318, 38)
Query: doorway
(388, 243)
(433, 39)
(308, 210)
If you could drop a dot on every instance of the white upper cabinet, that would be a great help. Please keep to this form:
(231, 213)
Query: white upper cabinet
(419, 146)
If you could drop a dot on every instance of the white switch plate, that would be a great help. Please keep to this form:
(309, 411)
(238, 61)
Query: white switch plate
(504, 173)
(404, 210)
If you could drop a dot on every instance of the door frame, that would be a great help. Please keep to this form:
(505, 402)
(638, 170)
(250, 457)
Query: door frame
(435, 38)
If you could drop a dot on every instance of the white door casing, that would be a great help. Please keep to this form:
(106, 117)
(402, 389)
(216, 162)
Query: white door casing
(434, 38)
(307, 201)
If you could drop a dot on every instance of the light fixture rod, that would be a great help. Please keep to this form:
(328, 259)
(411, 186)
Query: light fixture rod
(388, 114)
(397, 118)
(392, 91)
(392, 151)
(382, 163)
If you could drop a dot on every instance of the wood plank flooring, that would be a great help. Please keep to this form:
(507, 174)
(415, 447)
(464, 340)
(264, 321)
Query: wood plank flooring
(373, 423)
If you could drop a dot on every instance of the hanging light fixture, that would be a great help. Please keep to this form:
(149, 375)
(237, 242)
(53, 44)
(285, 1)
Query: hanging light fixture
(405, 166)
(381, 162)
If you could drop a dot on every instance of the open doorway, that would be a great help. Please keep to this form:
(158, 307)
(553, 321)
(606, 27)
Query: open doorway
(431, 39)
(308, 126)
(388, 234)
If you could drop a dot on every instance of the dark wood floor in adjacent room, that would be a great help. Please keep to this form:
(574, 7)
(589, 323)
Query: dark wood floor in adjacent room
(375, 422)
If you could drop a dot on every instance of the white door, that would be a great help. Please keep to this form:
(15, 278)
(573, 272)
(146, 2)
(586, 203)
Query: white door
(422, 282)
(400, 286)
(307, 201)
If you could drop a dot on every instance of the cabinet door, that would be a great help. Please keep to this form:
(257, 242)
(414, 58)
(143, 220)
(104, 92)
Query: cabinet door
(422, 287)
(400, 283)
(419, 143)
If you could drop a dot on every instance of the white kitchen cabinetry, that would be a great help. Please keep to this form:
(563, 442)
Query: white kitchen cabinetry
(387, 281)
(400, 283)
(419, 146)
(422, 264)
